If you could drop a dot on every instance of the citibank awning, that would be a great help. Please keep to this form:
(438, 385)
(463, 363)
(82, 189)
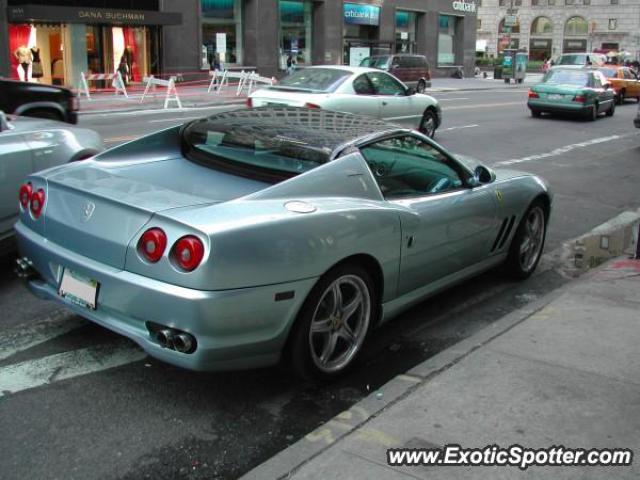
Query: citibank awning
(47, 13)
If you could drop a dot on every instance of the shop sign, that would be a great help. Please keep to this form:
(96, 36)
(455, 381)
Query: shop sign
(357, 14)
(541, 43)
(108, 16)
(463, 6)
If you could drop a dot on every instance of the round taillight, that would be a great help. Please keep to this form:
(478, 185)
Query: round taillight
(152, 244)
(26, 190)
(37, 202)
(188, 252)
(249, 102)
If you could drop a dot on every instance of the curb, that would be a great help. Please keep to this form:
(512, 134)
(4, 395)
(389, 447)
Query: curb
(286, 462)
(158, 110)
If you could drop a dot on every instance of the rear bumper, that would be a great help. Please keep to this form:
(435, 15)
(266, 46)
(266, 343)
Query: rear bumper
(542, 106)
(240, 328)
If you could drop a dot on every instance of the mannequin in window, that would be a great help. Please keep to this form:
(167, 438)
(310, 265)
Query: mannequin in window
(23, 54)
(36, 64)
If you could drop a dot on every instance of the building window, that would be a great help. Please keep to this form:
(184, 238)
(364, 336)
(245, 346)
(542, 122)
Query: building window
(446, 40)
(295, 32)
(517, 3)
(613, 24)
(614, 2)
(586, 2)
(508, 36)
(569, 2)
(478, 24)
(515, 29)
(541, 26)
(406, 28)
(551, 2)
(576, 26)
(538, 3)
(502, 3)
(221, 31)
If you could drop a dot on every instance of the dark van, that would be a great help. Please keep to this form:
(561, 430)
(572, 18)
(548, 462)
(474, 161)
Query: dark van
(412, 70)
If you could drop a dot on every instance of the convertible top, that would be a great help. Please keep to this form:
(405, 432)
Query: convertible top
(315, 129)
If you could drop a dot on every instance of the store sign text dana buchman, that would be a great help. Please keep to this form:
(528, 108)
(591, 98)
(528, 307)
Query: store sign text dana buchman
(463, 6)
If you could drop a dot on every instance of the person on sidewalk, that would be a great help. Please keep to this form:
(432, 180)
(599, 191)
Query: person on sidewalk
(290, 64)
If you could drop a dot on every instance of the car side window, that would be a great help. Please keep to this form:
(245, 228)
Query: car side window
(384, 84)
(362, 86)
(407, 167)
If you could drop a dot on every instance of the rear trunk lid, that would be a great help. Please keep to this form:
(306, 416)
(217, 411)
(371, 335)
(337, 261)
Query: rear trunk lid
(96, 210)
(275, 96)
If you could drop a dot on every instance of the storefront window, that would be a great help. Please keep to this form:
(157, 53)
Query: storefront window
(221, 32)
(540, 43)
(446, 40)
(406, 27)
(295, 32)
(576, 26)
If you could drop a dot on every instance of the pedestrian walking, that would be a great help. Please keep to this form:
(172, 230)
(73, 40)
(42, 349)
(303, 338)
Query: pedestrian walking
(290, 64)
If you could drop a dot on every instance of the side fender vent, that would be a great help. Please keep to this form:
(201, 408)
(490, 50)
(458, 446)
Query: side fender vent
(503, 233)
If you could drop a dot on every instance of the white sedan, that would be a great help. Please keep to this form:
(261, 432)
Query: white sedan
(360, 90)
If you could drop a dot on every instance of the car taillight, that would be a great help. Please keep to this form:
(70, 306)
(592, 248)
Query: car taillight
(152, 244)
(188, 252)
(533, 94)
(249, 102)
(311, 105)
(37, 202)
(74, 103)
(26, 190)
(580, 98)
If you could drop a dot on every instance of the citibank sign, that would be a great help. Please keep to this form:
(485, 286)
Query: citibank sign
(463, 6)
(359, 14)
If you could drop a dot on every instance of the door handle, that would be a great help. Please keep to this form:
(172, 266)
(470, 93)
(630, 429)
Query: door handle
(384, 103)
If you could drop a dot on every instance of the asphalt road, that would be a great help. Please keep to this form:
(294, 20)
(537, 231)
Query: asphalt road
(72, 416)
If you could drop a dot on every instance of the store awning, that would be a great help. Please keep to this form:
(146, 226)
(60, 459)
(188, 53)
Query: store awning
(481, 45)
(105, 16)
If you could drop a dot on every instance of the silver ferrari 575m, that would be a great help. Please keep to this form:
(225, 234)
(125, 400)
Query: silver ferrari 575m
(270, 234)
(359, 90)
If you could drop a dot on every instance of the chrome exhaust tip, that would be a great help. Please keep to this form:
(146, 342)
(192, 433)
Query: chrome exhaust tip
(24, 268)
(165, 338)
(183, 343)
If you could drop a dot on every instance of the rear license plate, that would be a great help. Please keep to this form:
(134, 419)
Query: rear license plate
(79, 289)
(555, 96)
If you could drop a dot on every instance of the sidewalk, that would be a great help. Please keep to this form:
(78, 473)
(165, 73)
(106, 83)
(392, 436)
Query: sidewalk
(562, 371)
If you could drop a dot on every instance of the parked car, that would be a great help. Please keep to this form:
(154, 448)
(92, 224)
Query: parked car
(270, 234)
(585, 59)
(359, 90)
(582, 92)
(28, 145)
(413, 70)
(38, 100)
(623, 80)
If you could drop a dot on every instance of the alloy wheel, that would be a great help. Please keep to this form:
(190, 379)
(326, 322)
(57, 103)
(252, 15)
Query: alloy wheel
(339, 323)
(428, 124)
(532, 240)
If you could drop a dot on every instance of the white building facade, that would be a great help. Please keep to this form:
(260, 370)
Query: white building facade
(546, 28)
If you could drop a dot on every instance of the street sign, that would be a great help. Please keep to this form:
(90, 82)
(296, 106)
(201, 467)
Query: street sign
(510, 21)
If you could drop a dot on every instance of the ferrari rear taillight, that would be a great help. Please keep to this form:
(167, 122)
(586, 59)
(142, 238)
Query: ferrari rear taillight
(37, 202)
(249, 102)
(188, 252)
(311, 105)
(533, 94)
(26, 191)
(152, 244)
(580, 98)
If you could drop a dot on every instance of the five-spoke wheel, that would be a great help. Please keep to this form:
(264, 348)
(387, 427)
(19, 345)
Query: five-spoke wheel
(528, 242)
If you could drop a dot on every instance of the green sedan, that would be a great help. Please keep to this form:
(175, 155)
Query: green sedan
(580, 92)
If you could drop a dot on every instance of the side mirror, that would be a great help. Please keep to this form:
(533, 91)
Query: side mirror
(411, 91)
(607, 86)
(484, 175)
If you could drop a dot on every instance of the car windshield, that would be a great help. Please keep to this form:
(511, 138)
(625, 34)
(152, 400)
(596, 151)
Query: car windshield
(577, 59)
(376, 62)
(609, 72)
(570, 77)
(254, 151)
(313, 80)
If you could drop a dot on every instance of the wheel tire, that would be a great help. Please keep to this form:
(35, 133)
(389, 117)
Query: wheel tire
(421, 86)
(428, 123)
(303, 353)
(519, 264)
(611, 110)
(593, 113)
(536, 113)
(45, 113)
(621, 96)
